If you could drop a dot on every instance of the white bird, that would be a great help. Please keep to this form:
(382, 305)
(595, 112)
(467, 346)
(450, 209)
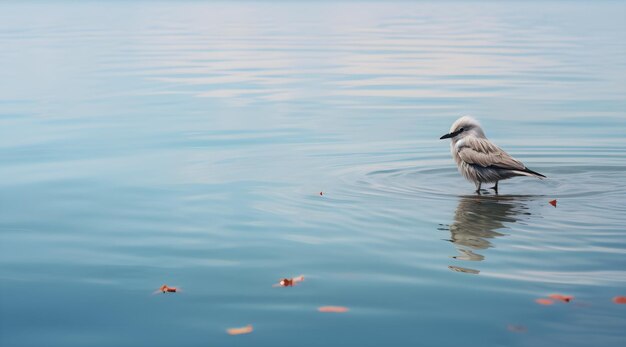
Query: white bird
(478, 159)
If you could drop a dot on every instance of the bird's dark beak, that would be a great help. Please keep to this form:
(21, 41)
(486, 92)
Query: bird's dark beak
(452, 134)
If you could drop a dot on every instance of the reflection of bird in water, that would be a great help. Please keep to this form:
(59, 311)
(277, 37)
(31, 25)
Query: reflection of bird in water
(478, 219)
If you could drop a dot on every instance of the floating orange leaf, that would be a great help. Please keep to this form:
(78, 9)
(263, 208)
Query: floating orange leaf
(553, 202)
(561, 297)
(286, 282)
(166, 289)
(289, 282)
(335, 309)
(543, 301)
(619, 299)
(239, 331)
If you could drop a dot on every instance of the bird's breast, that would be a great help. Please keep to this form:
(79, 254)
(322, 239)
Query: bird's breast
(459, 144)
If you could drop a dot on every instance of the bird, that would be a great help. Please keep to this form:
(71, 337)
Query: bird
(480, 160)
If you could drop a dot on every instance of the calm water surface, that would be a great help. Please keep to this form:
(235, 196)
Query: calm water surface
(187, 143)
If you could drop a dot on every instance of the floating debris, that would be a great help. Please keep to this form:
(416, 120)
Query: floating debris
(166, 289)
(543, 301)
(619, 300)
(553, 202)
(516, 328)
(289, 282)
(240, 331)
(561, 297)
(334, 309)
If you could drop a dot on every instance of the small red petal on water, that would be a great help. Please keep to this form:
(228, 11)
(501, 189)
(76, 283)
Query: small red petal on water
(335, 309)
(286, 282)
(553, 203)
(290, 282)
(619, 299)
(544, 301)
(561, 297)
(239, 331)
(165, 289)
(516, 328)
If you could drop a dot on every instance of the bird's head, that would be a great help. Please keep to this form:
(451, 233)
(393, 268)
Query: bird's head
(464, 126)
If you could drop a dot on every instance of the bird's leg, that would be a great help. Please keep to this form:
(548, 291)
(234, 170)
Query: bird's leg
(495, 188)
(478, 187)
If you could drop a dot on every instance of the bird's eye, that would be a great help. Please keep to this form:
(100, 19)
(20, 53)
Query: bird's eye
(462, 129)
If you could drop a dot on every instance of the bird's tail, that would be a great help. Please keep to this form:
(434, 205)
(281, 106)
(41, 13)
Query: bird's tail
(531, 173)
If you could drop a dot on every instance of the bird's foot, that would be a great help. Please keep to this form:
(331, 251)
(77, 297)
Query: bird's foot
(495, 188)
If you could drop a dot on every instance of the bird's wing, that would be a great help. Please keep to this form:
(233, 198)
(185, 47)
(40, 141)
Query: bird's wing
(478, 151)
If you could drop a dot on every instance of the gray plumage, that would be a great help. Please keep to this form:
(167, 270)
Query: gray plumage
(478, 159)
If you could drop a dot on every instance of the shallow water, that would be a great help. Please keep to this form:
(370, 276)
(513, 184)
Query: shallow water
(187, 143)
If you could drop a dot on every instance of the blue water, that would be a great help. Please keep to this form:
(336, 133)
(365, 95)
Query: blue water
(187, 143)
